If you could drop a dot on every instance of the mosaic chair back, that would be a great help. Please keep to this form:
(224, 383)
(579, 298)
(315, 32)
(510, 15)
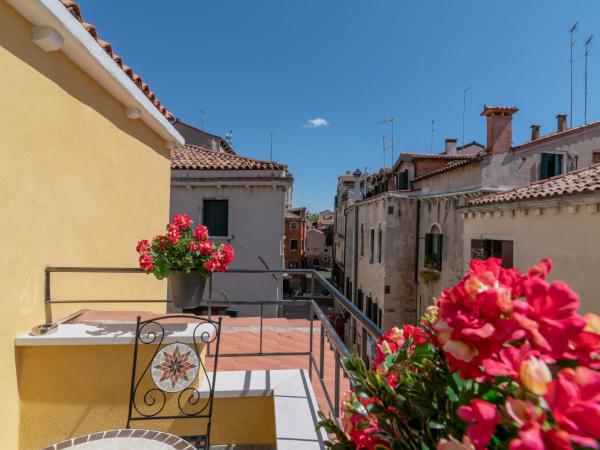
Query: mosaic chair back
(169, 381)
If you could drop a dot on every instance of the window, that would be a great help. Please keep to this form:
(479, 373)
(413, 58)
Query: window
(316, 262)
(433, 249)
(595, 157)
(551, 165)
(379, 244)
(293, 225)
(488, 248)
(390, 210)
(379, 317)
(403, 180)
(293, 244)
(216, 217)
(362, 240)
(359, 300)
(372, 246)
(369, 307)
(386, 289)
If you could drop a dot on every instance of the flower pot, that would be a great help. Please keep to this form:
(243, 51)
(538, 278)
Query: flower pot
(186, 289)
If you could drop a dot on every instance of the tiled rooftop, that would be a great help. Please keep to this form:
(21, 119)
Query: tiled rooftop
(441, 156)
(75, 10)
(556, 135)
(193, 157)
(578, 182)
(449, 167)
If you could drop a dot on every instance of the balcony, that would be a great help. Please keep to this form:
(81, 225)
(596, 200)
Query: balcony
(274, 370)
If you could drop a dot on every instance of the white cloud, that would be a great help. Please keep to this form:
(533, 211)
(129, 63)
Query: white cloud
(316, 123)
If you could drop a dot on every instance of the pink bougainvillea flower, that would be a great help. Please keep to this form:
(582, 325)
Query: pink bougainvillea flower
(482, 418)
(508, 361)
(574, 400)
(228, 254)
(535, 375)
(201, 233)
(394, 338)
(549, 315)
(358, 427)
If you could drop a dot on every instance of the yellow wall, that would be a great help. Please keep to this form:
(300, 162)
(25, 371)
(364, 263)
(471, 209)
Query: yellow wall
(67, 391)
(570, 240)
(79, 185)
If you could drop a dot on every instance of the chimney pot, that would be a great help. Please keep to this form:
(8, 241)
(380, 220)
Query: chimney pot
(561, 123)
(499, 128)
(450, 146)
(535, 132)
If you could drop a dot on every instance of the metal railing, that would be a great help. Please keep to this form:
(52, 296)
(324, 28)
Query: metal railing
(315, 312)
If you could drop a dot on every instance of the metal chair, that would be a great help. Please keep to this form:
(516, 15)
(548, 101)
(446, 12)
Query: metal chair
(173, 382)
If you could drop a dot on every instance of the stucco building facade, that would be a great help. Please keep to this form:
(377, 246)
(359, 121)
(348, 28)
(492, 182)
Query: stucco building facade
(241, 201)
(85, 175)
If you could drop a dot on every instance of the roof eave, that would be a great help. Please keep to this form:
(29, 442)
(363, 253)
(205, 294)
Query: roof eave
(81, 48)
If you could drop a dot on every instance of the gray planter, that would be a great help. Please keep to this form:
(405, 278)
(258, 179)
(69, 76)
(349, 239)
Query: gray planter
(186, 289)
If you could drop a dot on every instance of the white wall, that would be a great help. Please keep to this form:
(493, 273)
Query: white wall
(256, 227)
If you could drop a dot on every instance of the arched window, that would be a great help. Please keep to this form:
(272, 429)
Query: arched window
(379, 243)
(433, 248)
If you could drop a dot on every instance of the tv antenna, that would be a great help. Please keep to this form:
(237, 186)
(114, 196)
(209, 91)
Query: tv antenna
(229, 137)
(465, 90)
(588, 44)
(201, 118)
(571, 45)
(388, 139)
(432, 131)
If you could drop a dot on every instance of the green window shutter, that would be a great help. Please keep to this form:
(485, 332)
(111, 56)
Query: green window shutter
(544, 166)
(558, 164)
(428, 250)
(438, 250)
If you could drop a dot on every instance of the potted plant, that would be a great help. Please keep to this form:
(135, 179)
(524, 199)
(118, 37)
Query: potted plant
(186, 257)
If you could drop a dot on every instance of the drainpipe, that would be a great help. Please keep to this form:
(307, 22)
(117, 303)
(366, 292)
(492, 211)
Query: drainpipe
(418, 226)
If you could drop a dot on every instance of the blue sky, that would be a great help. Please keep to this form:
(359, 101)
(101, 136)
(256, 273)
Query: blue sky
(264, 66)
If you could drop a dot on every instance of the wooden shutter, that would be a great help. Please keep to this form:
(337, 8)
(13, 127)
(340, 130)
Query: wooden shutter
(438, 250)
(507, 254)
(216, 217)
(558, 164)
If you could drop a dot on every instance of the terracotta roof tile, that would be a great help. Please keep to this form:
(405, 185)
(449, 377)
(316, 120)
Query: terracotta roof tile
(193, 157)
(449, 167)
(75, 10)
(442, 156)
(555, 135)
(578, 182)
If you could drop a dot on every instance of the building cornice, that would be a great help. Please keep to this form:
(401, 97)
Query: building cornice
(75, 42)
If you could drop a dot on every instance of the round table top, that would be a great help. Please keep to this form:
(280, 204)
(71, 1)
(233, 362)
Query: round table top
(124, 439)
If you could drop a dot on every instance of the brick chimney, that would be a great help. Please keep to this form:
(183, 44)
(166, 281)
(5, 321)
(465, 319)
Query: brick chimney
(535, 132)
(450, 146)
(561, 123)
(499, 128)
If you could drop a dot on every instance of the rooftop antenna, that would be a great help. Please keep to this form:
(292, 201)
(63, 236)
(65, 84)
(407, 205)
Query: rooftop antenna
(571, 45)
(432, 131)
(388, 139)
(465, 90)
(271, 150)
(588, 44)
(229, 137)
(201, 118)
